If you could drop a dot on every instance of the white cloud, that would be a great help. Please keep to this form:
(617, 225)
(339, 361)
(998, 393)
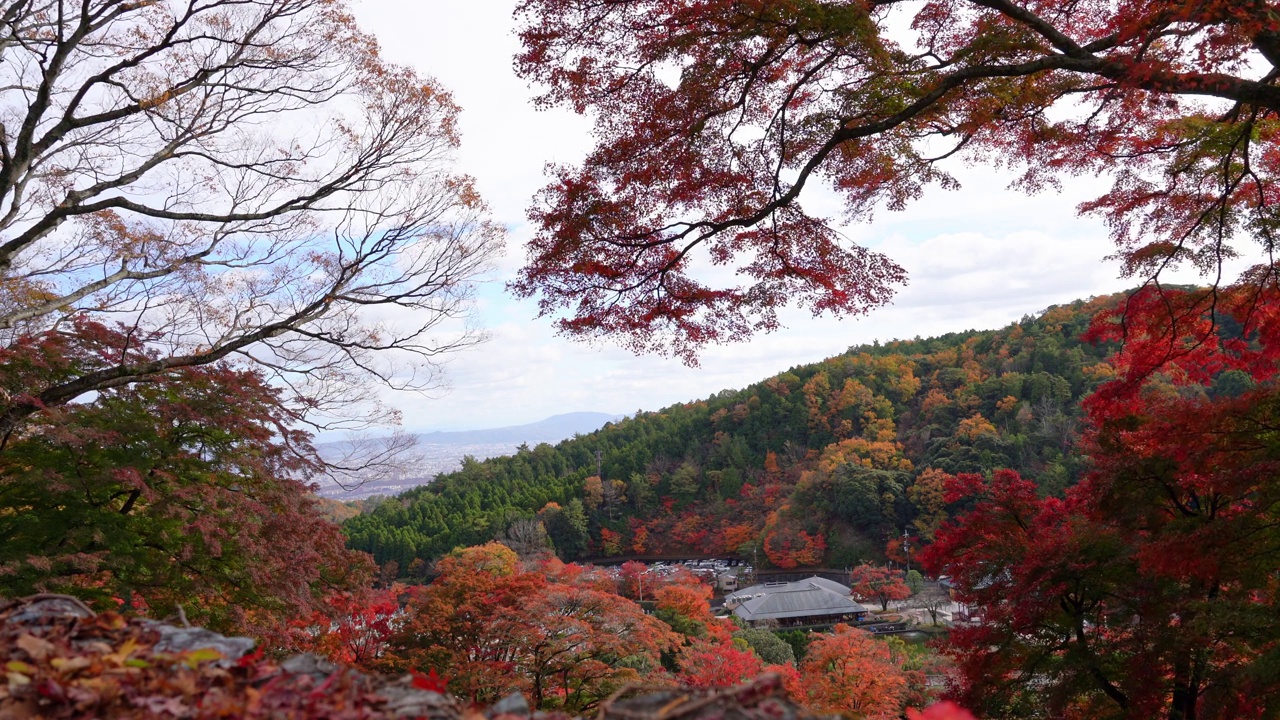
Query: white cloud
(960, 281)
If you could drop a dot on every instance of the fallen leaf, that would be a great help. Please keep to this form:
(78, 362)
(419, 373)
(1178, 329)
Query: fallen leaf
(71, 664)
(171, 705)
(195, 657)
(126, 649)
(37, 648)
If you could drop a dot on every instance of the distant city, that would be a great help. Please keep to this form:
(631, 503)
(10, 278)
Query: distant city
(443, 452)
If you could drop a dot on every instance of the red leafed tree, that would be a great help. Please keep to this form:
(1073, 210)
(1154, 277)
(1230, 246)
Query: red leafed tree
(632, 576)
(787, 545)
(705, 664)
(610, 542)
(791, 681)
(873, 582)
(713, 118)
(1149, 590)
(354, 629)
(576, 645)
(852, 673)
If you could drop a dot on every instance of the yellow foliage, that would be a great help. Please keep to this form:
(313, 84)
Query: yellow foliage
(876, 454)
(973, 427)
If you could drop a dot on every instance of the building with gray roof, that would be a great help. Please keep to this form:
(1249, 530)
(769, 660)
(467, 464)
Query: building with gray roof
(813, 601)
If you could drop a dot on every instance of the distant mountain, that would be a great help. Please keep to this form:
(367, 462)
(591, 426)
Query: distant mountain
(552, 430)
(443, 452)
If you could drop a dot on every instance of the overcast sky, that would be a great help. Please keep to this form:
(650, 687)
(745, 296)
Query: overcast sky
(979, 257)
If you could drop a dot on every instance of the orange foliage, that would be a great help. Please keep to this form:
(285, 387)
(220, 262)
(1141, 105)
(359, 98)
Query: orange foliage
(690, 601)
(640, 540)
(639, 536)
(610, 542)
(493, 627)
(592, 492)
(973, 427)
(852, 673)
(771, 462)
(790, 679)
(894, 551)
(733, 537)
(932, 401)
(1099, 371)
(815, 397)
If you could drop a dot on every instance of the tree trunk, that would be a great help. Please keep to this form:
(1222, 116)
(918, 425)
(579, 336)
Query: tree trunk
(1183, 706)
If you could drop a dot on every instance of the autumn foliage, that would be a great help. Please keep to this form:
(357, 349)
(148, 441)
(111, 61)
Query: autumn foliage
(108, 666)
(1147, 590)
(704, 664)
(852, 673)
(766, 473)
(1172, 100)
(354, 629)
(186, 490)
(873, 583)
(492, 627)
(183, 286)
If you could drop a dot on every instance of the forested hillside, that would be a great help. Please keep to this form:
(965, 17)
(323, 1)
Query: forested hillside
(821, 464)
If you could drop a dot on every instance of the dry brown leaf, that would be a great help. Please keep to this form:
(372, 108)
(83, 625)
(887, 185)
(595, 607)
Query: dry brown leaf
(37, 648)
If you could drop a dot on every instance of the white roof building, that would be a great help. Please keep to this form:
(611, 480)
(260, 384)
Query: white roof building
(814, 600)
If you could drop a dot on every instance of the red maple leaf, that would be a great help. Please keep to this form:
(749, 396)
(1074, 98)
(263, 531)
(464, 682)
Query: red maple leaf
(431, 681)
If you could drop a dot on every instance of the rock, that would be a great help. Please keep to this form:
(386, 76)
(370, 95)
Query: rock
(760, 699)
(513, 704)
(309, 664)
(42, 611)
(404, 700)
(185, 639)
